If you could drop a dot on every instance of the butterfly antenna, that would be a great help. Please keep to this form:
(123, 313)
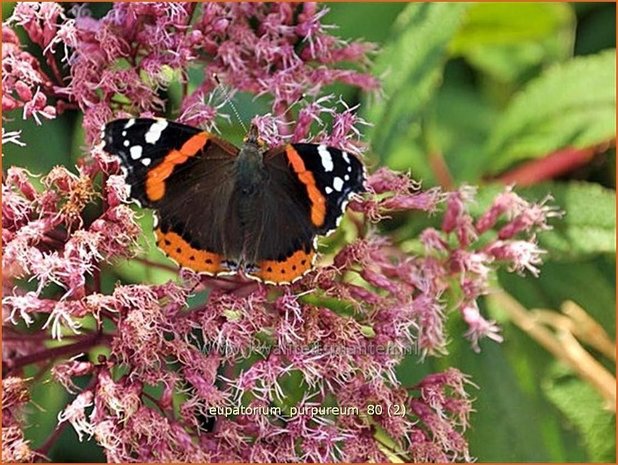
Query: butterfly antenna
(298, 100)
(229, 100)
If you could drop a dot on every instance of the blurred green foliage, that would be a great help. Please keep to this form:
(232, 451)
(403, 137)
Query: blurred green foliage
(482, 87)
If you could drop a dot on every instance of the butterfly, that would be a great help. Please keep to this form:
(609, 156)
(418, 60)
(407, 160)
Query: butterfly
(222, 210)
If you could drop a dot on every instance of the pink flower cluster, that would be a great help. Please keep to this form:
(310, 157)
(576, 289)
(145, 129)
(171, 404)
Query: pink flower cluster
(15, 448)
(253, 373)
(121, 63)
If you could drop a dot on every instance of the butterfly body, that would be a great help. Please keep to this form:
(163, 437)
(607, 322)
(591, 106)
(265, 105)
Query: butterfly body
(223, 210)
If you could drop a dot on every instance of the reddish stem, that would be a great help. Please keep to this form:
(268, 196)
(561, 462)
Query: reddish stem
(25, 337)
(96, 278)
(39, 374)
(162, 266)
(87, 342)
(440, 170)
(191, 11)
(51, 61)
(51, 440)
(57, 235)
(169, 415)
(555, 164)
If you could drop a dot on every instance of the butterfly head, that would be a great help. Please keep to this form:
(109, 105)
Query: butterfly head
(253, 138)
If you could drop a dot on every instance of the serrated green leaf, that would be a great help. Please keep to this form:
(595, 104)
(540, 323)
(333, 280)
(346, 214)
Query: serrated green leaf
(507, 23)
(411, 65)
(507, 39)
(570, 105)
(583, 407)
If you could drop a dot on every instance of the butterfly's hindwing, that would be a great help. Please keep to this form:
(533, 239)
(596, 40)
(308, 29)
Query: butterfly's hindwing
(308, 186)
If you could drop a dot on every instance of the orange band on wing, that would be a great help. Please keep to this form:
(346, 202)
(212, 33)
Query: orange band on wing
(155, 179)
(187, 256)
(318, 202)
(287, 270)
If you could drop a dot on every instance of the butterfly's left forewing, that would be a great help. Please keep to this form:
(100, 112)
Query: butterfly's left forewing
(185, 175)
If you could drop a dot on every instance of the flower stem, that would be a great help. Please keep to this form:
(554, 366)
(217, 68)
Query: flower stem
(87, 342)
(440, 170)
(51, 440)
(555, 164)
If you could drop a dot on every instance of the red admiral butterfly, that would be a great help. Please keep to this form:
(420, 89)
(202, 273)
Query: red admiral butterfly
(221, 209)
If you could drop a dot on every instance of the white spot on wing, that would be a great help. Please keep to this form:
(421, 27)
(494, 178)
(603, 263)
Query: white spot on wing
(146, 161)
(346, 157)
(328, 189)
(154, 132)
(126, 142)
(326, 157)
(136, 152)
(338, 183)
(130, 123)
(347, 177)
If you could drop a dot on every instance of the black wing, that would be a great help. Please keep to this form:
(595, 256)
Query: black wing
(305, 195)
(337, 176)
(186, 176)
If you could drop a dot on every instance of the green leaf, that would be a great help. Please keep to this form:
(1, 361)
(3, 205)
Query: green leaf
(457, 135)
(367, 331)
(41, 422)
(596, 28)
(39, 156)
(583, 407)
(512, 421)
(506, 40)
(411, 65)
(570, 105)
